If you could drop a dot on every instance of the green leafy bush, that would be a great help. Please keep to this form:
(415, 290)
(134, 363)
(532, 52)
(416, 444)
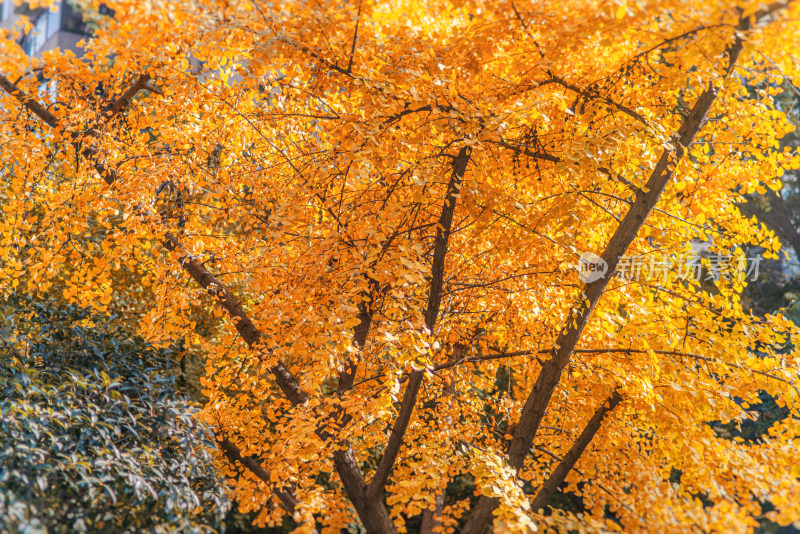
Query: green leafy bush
(94, 433)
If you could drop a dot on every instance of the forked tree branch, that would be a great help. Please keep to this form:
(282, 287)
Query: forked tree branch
(561, 471)
(443, 230)
(539, 398)
(234, 454)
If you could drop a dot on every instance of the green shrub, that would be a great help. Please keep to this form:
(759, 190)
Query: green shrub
(94, 433)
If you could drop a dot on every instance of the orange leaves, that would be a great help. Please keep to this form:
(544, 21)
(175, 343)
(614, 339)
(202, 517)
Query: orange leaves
(313, 191)
(495, 479)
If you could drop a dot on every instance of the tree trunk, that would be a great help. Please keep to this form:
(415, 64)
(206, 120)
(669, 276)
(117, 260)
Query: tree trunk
(536, 404)
(561, 471)
(432, 518)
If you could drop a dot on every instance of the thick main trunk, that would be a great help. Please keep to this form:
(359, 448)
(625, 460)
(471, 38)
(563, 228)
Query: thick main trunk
(370, 508)
(539, 398)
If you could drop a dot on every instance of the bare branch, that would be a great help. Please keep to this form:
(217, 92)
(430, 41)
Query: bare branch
(594, 96)
(525, 27)
(561, 471)
(355, 38)
(234, 454)
(35, 107)
(386, 464)
(522, 149)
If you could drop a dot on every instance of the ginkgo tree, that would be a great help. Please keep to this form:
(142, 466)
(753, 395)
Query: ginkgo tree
(385, 203)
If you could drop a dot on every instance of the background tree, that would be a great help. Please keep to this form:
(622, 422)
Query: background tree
(96, 435)
(398, 195)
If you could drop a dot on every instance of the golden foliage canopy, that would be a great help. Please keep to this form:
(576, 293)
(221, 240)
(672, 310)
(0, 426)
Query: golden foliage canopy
(387, 201)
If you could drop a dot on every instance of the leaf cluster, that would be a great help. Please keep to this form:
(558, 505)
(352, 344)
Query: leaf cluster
(96, 435)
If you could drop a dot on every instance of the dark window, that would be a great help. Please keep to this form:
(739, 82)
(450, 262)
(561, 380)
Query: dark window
(72, 20)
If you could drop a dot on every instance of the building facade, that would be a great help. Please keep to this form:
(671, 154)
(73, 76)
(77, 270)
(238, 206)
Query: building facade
(60, 27)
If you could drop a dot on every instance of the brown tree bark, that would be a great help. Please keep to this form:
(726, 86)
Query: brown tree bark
(431, 519)
(234, 454)
(539, 398)
(431, 314)
(561, 471)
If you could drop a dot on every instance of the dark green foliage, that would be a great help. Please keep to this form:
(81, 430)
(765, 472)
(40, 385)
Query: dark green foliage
(94, 433)
(771, 294)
